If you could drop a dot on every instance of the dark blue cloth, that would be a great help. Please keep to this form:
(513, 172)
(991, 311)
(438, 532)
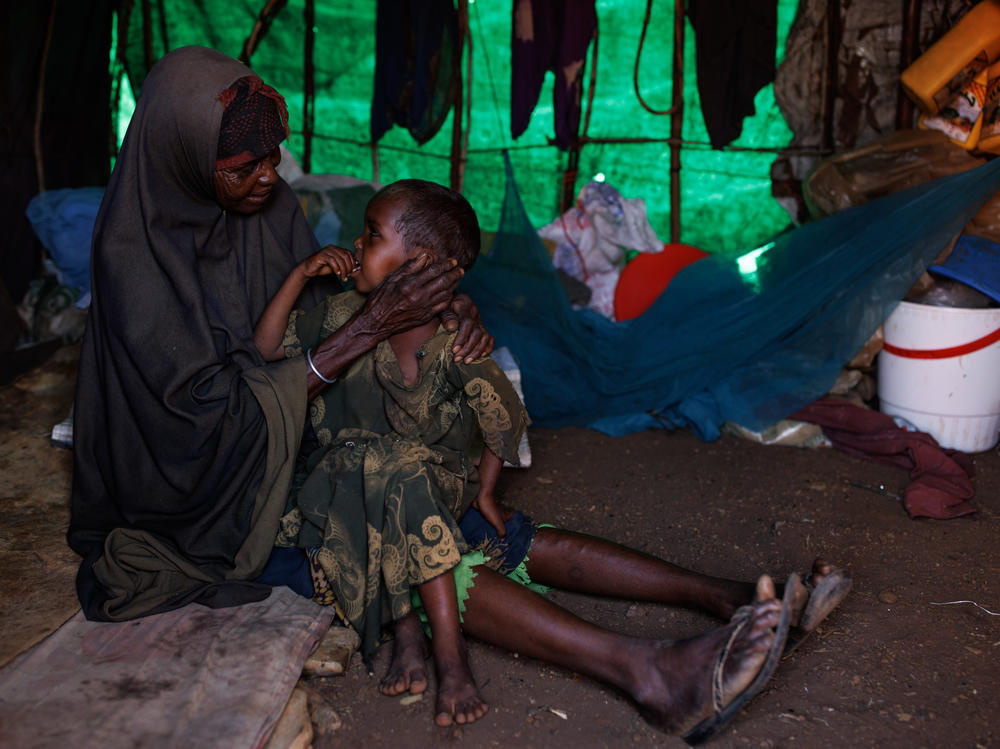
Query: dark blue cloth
(289, 567)
(511, 550)
(417, 63)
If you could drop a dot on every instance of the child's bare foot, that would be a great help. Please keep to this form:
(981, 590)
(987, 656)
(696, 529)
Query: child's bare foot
(407, 670)
(675, 689)
(458, 699)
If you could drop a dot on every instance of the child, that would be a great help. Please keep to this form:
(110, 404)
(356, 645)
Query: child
(399, 435)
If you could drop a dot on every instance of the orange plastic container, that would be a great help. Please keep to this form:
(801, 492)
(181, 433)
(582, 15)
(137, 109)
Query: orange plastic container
(955, 59)
(989, 134)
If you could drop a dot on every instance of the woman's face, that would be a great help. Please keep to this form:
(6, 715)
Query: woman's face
(380, 249)
(247, 188)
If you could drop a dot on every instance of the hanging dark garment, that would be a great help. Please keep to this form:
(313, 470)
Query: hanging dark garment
(549, 35)
(735, 41)
(417, 66)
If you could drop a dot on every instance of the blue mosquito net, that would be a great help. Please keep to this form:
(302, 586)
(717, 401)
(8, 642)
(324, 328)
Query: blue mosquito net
(748, 337)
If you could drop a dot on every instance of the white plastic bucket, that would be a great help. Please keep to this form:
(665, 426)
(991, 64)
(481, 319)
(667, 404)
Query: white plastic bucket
(940, 371)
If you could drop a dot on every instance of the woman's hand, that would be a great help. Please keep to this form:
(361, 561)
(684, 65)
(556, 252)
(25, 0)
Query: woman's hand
(473, 340)
(411, 295)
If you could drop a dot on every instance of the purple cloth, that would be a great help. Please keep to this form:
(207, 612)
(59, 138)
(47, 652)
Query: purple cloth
(941, 478)
(549, 35)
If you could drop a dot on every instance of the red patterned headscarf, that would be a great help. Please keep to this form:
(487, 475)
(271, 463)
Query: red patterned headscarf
(254, 122)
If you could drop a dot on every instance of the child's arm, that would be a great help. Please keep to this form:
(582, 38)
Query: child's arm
(271, 327)
(485, 501)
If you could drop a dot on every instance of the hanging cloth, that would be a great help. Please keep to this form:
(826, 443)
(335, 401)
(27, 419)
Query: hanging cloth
(417, 66)
(549, 35)
(735, 42)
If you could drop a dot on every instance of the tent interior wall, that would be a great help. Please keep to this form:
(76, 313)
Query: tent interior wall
(836, 86)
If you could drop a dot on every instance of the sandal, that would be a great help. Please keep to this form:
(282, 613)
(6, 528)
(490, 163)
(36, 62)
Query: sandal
(722, 714)
(824, 596)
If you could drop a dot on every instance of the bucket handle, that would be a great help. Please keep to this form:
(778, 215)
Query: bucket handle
(944, 353)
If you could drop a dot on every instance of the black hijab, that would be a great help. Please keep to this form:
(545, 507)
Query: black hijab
(184, 438)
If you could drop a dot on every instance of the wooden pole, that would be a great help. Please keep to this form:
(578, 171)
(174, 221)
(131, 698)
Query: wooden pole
(309, 99)
(909, 50)
(164, 39)
(677, 122)
(568, 197)
(40, 101)
(263, 23)
(457, 174)
(147, 35)
(831, 73)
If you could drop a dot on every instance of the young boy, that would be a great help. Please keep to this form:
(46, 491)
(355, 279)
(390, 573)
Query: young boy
(399, 436)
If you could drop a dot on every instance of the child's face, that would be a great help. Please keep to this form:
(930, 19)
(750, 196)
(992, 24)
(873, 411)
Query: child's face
(380, 249)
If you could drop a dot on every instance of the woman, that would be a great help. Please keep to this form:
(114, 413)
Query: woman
(186, 439)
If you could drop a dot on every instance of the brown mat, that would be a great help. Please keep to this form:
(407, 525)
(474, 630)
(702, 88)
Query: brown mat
(196, 677)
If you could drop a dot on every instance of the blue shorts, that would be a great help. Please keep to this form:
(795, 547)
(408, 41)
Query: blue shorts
(291, 566)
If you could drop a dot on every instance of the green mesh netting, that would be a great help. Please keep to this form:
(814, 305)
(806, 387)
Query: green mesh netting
(769, 339)
(726, 198)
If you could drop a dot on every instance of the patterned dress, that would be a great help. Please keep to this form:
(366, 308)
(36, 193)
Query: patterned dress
(379, 498)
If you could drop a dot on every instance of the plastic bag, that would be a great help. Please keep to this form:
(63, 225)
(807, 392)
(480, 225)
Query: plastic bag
(63, 221)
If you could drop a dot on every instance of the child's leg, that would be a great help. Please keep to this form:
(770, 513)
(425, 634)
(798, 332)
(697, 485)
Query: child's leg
(587, 564)
(671, 680)
(575, 561)
(407, 672)
(458, 697)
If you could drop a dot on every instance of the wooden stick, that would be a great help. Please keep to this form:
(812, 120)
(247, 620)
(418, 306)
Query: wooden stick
(147, 35)
(457, 172)
(677, 122)
(40, 101)
(909, 50)
(264, 19)
(831, 71)
(308, 98)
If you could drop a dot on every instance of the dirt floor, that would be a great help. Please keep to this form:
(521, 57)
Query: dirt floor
(888, 669)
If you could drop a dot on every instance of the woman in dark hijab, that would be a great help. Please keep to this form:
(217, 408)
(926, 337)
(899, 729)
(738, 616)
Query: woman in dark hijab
(186, 439)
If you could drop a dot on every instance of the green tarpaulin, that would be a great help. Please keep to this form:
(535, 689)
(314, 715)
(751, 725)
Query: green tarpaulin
(726, 195)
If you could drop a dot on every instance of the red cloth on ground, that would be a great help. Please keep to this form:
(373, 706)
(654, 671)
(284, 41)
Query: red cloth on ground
(941, 478)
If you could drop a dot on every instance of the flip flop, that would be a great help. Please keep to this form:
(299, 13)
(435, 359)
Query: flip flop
(824, 597)
(714, 723)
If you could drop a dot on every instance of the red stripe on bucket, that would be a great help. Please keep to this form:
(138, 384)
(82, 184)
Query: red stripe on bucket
(944, 353)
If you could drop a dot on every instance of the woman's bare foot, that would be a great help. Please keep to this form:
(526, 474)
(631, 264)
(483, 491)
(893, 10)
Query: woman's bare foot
(675, 689)
(458, 699)
(729, 597)
(407, 670)
(823, 590)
